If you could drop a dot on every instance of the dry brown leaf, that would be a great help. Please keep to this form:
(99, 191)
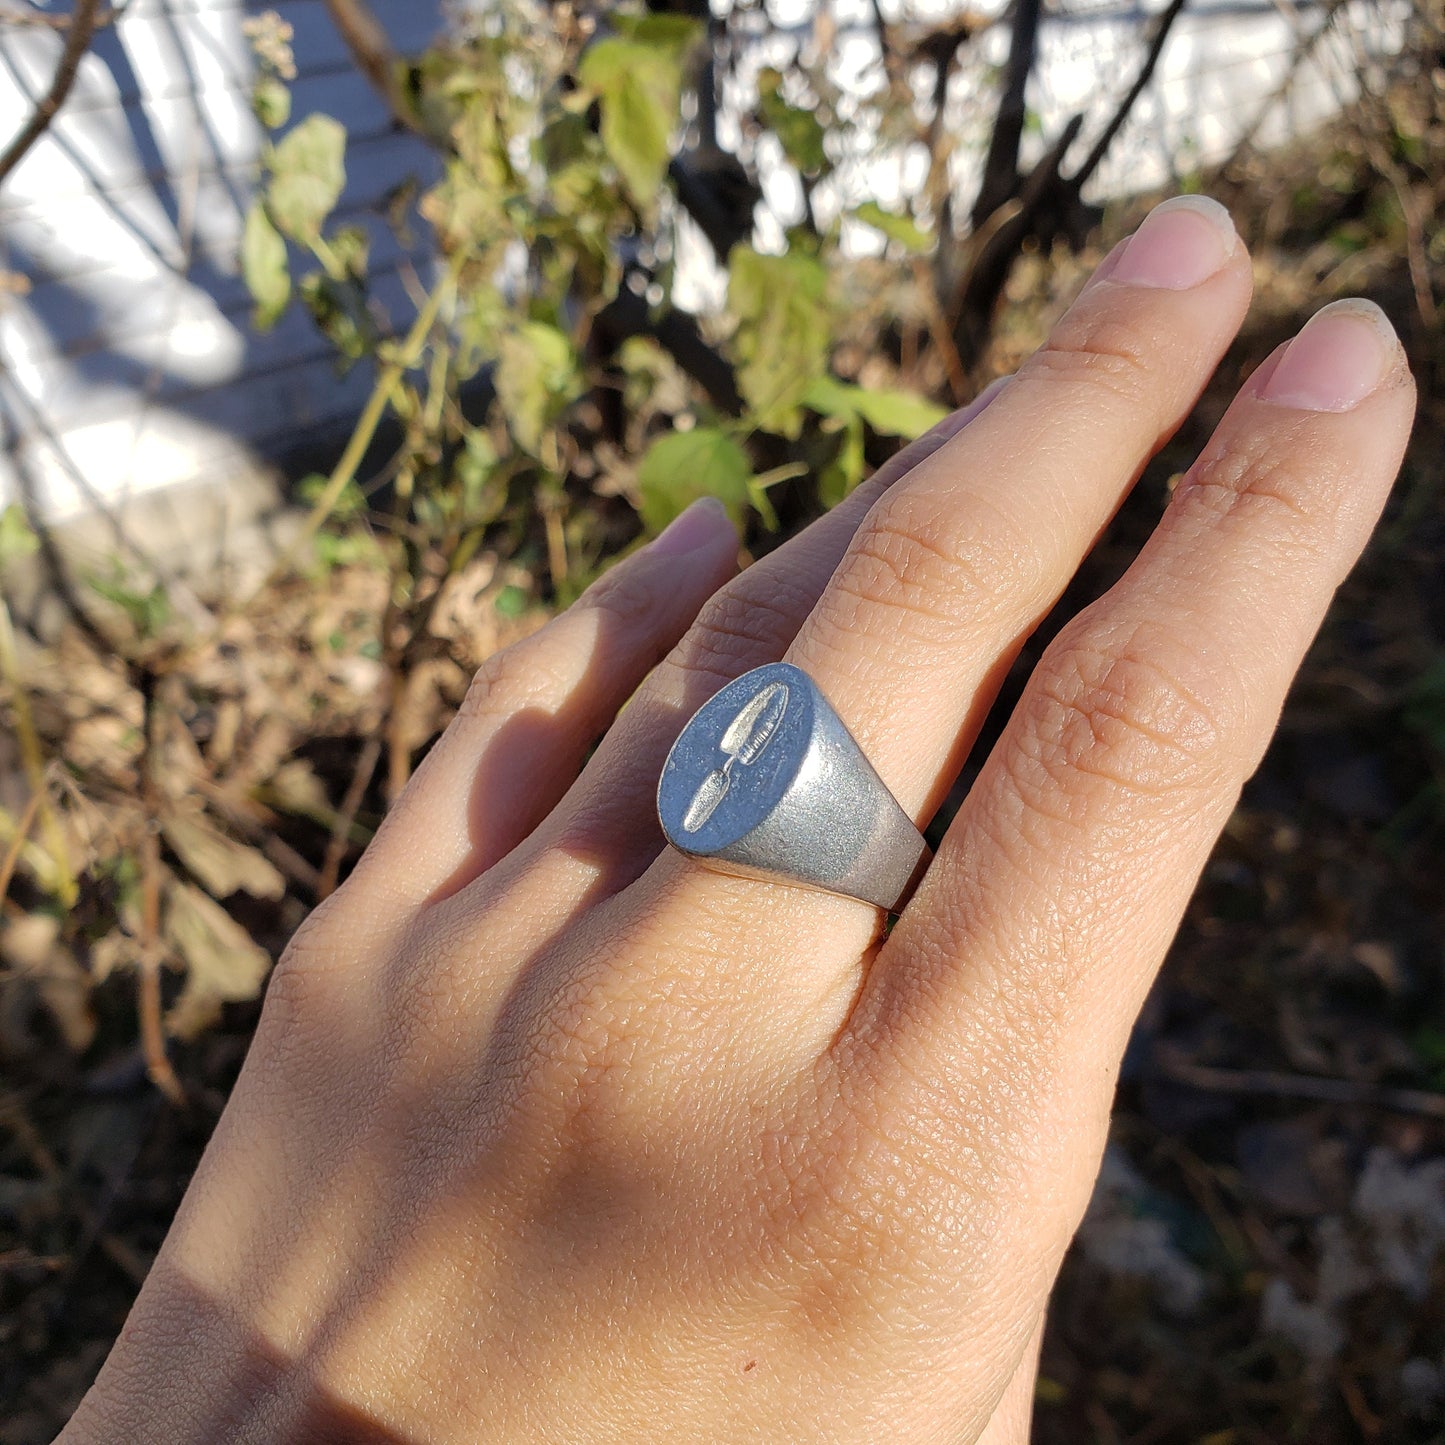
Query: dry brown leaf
(295, 787)
(116, 950)
(221, 864)
(222, 964)
(31, 945)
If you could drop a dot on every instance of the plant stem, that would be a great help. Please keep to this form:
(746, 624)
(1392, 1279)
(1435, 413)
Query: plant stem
(17, 842)
(148, 994)
(344, 471)
(32, 757)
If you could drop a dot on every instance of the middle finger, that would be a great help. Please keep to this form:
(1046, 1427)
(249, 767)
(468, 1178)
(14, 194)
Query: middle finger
(953, 570)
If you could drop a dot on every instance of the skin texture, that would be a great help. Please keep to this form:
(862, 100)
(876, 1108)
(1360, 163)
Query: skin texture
(548, 1134)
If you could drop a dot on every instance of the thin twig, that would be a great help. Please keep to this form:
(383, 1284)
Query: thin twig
(370, 48)
(22, 1127)
(340, 838)
(406, 356)
(924, 278)
(33, 760)
(148, 1000)
(12, 853)
(885, 42)
(398, 754)
(1278, 1085)
(38, 20)
(1299, 56)
(1162, 28)
(77, 41)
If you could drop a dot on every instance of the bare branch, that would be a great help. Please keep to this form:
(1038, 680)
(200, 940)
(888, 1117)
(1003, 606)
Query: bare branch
(996, 244)
(1001, 167)
(370, 48)
(885, 43)
(627, 314)
(78, 35)
(1268, 1083)
(38, 20)
(1146, 73)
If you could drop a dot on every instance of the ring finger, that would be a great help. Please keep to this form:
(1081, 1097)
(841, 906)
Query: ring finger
(951, 570)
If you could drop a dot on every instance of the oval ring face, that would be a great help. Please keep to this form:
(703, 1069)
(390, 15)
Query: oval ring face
(736, 758)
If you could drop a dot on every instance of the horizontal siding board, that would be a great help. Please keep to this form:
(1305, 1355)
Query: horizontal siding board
(318, 46)
(117, 70)
(305, 396)
(107, 313)
(108, 384)
(70, 245)
(84, 156)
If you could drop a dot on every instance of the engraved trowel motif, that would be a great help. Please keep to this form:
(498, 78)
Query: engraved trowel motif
(747, 735)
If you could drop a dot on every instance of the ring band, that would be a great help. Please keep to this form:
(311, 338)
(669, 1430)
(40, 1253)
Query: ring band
(765, 781)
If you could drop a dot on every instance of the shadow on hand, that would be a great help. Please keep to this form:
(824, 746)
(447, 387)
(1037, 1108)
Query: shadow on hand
(247, 1388)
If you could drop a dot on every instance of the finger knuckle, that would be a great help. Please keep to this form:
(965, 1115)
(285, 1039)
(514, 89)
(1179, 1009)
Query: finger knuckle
(908, 569)
(497, 678)
(739, 628)
(1113, 712)
(1256, 478)
(626, 595)
(1101, 350)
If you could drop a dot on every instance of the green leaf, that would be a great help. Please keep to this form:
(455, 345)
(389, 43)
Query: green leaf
(682, 466)
(536, 377)
(903, 229)
(830, 397)
(263, 264)
(350, 503)
(511, 601)
(893, 413)
(482, 489)
(350, 249)
(638, 85)
(799, 131)
(672, 35)
(782, 337)
(16, 538)
(480, 320)
(271, 102)
(847, 466)
(148, 612)
(307, 176)
(899, 413)
(339, 309)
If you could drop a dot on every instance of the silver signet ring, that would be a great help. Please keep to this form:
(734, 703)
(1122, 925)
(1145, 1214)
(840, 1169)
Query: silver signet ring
(766, 781)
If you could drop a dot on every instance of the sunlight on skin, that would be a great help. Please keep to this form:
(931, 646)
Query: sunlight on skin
(595, 1144)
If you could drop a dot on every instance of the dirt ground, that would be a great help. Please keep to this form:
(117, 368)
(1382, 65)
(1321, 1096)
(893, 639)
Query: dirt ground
(1265, 1257)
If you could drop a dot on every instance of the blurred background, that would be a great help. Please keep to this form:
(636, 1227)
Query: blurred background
(342, 342)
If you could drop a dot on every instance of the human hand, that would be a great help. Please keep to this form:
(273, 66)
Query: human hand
(550, 1134)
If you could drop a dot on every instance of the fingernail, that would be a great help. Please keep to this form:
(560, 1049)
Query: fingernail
(703, 522)
(1106, 267)
(1183, 242)
(1344, 351)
